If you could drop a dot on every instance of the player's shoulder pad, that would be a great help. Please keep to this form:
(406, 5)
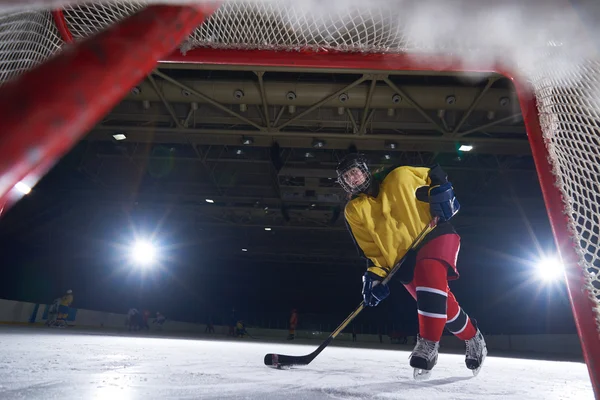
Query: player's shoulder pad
(381, 174)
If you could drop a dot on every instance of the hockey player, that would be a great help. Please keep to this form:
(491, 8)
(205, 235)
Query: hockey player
(133, 320)
(53, 312)
(63, 309)
(386, 213)
(293, 324)
(159, 320)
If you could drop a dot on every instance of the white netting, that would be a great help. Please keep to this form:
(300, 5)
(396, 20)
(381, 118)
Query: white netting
(569, 107)
(542, 39)
(26, 39)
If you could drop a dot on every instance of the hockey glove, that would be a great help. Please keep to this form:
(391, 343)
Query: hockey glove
(373, 290)
(442, 202)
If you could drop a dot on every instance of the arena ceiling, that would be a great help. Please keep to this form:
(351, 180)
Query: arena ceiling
(262, 145)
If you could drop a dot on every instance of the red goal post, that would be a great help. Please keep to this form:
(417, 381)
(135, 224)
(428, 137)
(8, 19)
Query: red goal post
(559, 103)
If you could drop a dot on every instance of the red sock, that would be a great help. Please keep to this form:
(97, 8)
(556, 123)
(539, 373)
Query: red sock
(459, 322)
(437, 306)
(431, 286)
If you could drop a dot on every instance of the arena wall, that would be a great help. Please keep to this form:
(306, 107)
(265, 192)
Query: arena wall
(31, 314)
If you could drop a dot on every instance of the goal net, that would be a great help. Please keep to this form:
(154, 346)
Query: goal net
(546, 48)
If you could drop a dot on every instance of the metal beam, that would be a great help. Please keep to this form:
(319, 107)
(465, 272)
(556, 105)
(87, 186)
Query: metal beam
(325, 100)
(263, 97)
(303, 140)
(367, 106)
(489, 84)
(352, 121)
(208, 100)
(165, 102)
(482, 127)
(417, 107)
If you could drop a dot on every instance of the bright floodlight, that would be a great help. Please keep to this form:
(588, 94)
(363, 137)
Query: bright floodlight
(23, 188)
(550, 269)
(211, 201)
(465, 147)
(119, 136)
(143, 253)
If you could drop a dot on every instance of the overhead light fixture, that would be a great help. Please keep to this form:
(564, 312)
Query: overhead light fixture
(387, 156)
(465, 147)
(247, 140)
(318, 143)
(211, 201)
(313, 205)
(239, 152)
(267, 229)
(119, 136)
(308, 154)
(244, 250)
(391, 145)
(23, 188)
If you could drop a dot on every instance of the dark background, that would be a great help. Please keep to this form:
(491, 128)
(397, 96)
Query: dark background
(196, 280)
(74, 230)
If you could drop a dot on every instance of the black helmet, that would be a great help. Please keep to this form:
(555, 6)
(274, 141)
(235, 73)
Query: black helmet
(354, 160)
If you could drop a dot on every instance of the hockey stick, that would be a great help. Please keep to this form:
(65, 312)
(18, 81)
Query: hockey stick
(280, 360)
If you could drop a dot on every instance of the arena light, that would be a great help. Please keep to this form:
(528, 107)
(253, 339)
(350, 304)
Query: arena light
(210, 201)
(550, 269)
(143, 252)
(465, 147)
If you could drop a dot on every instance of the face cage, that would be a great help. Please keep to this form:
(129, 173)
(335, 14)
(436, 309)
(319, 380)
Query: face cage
(360, 188)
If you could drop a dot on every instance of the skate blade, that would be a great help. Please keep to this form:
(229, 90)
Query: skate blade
(476, 371)
(421, 374)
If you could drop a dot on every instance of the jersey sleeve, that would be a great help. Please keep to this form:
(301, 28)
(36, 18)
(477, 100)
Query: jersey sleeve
(433, 176)
(364, 243)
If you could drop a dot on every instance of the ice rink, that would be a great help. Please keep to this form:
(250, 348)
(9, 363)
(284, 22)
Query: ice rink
(65, 364)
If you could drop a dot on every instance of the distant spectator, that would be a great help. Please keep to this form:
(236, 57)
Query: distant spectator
(134, 320)
(159, 320)
(240, 329)
(53, 312)
(210, 328)
(145, 316)
(293, 325)
(63, 309)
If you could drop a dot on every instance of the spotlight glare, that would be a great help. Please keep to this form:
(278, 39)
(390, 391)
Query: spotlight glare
(465, 147)
(267, 229)
(23, 188)
(211, 201)
(550, 269)
(143, 252)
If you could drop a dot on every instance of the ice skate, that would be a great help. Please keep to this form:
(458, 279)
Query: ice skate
(476, 352)
(423, 358)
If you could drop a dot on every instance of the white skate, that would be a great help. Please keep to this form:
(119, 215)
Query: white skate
(476, 353)
(423, 358)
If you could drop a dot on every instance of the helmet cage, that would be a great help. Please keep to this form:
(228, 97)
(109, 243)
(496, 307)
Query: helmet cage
(347, 166)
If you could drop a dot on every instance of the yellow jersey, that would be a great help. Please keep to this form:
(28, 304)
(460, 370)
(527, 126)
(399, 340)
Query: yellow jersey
(385, 224)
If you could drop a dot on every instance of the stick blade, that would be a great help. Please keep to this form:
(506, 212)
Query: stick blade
(282, 361)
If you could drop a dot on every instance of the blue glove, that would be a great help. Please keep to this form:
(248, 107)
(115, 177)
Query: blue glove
(373, 290)
(442, 202)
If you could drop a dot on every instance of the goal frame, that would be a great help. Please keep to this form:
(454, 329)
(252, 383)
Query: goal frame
(39, 129)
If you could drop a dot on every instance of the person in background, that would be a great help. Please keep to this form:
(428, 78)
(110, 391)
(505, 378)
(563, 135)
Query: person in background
(63, 309)
(210, 328)
(159, 320)
(145, 316)
(293, 325)
(53, 312)
(240, 329)
(133, 320)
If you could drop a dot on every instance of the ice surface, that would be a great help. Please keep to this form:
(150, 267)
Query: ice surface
(40, 364)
